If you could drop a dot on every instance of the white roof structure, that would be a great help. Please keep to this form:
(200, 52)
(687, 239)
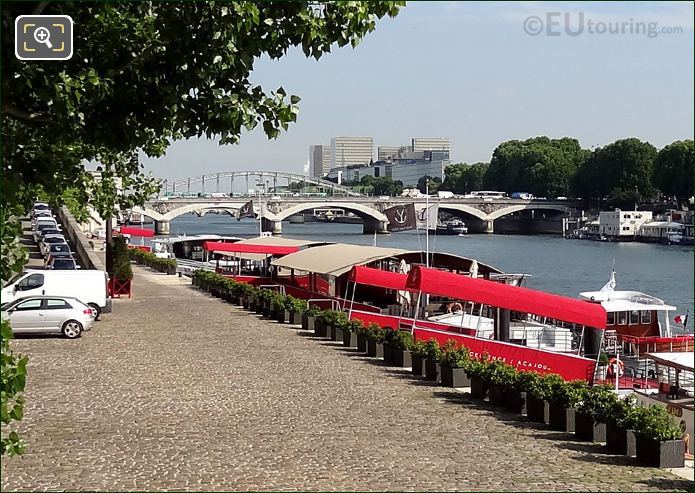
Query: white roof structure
(279, 241)
(681, 360)
(621, 301)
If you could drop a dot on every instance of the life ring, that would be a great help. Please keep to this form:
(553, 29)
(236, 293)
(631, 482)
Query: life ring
(610, 371)
(454, 307)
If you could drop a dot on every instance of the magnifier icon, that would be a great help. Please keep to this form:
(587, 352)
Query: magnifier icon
(43, 35)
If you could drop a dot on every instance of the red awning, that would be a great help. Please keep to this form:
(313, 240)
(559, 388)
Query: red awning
(145, 233)
(514, 298)
(218, 246)
(378, 277)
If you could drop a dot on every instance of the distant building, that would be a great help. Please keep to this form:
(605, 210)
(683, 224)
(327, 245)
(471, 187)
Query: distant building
(622, 224)
(387, 153)
(431, 144)
(348, 151)
(319, 160)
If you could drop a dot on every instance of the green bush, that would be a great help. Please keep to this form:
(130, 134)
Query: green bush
(475, 367)
(354, 326)
(402, 339)
(377, 334)
(655, 423)
(567, 394)
(620, 412)
(500, 374)
(433, 351)
(454, 356)
(418, 348)
(119, 259)
(598, 403)
(525, 380)
(151, 260)
(541, 388)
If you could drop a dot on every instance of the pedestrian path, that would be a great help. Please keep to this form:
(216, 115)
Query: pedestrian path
(176, 390)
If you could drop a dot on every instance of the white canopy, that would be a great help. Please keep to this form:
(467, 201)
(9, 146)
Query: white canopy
(681, 360)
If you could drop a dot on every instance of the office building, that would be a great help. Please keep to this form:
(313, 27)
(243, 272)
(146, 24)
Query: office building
(408, 168)
(347, 151)
(430, 144)
(387, 153)
(319, 160)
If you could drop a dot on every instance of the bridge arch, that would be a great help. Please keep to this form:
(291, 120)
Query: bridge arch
(526, 207)
(199, 209)
(464, 208)
(360, 210)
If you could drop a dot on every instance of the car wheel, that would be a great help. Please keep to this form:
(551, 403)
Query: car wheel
(72, 329)
(97, 310)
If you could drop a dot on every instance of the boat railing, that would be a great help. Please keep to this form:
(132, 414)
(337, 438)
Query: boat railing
(275, 287)
(335, 304)
(636, 346)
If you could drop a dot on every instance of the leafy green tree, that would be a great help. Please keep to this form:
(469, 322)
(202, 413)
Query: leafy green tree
(673, 170)
(620, 171)
(14, 372)
(385, 185)
(462, 178)
(146, 74)
(543, 166)
(430, 183)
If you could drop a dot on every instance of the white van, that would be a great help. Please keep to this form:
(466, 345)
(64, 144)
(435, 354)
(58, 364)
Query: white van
(88, 286)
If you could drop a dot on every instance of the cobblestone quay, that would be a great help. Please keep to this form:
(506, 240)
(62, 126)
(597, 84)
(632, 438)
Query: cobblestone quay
(176, 390)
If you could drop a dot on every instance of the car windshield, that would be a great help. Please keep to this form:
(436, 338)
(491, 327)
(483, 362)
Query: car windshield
(64, 264)
(60, 247)
(51, 231)
(13, 279)
(54, 239)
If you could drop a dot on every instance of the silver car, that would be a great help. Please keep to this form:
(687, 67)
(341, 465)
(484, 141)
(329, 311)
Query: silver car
(48, 314)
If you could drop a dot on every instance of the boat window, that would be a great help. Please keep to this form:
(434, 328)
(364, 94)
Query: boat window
(622, 318)
(634, 317)
(610, 320)
(646, 317)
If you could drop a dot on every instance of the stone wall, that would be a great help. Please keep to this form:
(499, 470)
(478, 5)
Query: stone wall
(85, 254)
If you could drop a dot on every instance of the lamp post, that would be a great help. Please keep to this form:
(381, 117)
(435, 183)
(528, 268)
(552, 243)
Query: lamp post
(261, 186)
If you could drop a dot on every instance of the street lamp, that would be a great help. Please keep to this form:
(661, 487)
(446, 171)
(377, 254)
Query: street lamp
(261, 186)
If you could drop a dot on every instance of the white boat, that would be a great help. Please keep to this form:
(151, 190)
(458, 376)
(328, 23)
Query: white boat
(187, 247)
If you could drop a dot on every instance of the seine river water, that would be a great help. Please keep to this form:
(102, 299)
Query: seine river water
(556, 265)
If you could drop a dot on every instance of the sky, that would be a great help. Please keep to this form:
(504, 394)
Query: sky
(471, 72)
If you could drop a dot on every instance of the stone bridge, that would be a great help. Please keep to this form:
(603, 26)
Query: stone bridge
(273, 209)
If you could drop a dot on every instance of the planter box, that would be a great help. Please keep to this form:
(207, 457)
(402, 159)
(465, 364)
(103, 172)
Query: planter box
(586, 429)
(454, 377)
(478, 386)
(349, 339)
(281, 316)
(337, 334)
(362, 343)
(319, 328)
(431, 370)
(560, 418)
(417, 365)
(498, 395)
(375, 349)
(620, 440)
(669, 453)
(329, 331)
(295, 318)
(515, 401)
(536, 409)
(308, 323)
(171, 270)
(401, 357)
(388, 349)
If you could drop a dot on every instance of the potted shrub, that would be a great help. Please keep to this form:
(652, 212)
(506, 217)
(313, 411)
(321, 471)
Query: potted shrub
(375, 343)
(537, 392)
(516, 393)
(350, 332)
(563, 399)
(309, 318)
(119, 268)
(401, 344)
(433, 356)
(592, 413)
(499, 377)
(339, 326)
(388, 344)
(659, 440)
(362, 338)
(475, 368)
(296, 308)
(417, 356)
(455, 365)
(620, 434)
(321, 323)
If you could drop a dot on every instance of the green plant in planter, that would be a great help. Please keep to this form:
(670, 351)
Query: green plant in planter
(377, 334)
(603, 358)
(654, 423)
(311, 311)
(402, 339)
(475, 368)
(567, 394)
(598, 403)
(454, 356)
(354, 326)
(419, 348)
(363, 331)
(297, 305)
(525, 380)
(433, 351)
(541, 388)
(621, 412)
(500, 374)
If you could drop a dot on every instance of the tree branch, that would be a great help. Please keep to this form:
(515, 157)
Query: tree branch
(24, 115)
(39, 8)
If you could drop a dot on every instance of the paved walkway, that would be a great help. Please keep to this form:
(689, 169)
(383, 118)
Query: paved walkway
(179, 391)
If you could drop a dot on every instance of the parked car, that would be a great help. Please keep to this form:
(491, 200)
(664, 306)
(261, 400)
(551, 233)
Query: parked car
(90, 286)
(58, 249)
(49, 240)
(61, 262)
(35, 215)
(51, 314)
(44, 225)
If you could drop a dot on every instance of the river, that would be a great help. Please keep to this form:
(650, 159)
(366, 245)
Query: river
(556, 265)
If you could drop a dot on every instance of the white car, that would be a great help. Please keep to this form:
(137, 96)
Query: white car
(48, 314)
(50, 239)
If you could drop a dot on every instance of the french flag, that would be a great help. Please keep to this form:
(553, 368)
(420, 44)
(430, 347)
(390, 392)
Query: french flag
(681, 319)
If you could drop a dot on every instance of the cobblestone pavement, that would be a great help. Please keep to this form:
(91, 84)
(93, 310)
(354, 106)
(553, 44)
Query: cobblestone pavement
(179, 391)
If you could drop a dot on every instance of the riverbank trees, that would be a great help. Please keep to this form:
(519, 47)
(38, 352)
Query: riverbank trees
(144, 75)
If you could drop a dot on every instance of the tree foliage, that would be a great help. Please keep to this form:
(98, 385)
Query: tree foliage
(462, 178)
(429, 183)
(673, 170)
(145, 74)
(541, 166)
(14, 372)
